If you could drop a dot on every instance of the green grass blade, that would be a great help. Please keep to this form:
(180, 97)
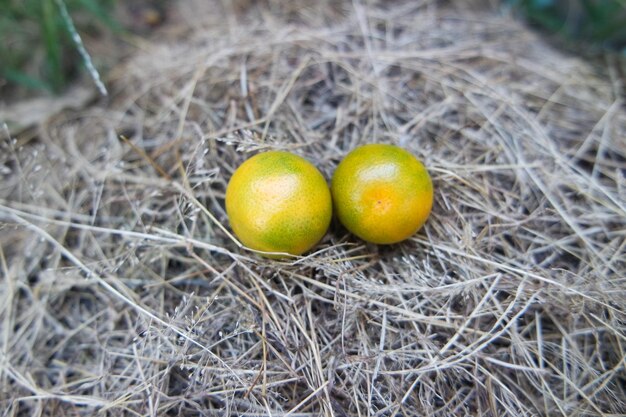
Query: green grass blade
(78, 42)
(52, 42)
(25, 80)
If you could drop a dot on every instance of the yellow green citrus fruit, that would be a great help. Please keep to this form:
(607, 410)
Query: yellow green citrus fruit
(382, 193)
(278, 202)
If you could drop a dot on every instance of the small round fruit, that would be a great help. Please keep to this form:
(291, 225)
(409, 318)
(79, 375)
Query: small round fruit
(278, 202)
(382, 193)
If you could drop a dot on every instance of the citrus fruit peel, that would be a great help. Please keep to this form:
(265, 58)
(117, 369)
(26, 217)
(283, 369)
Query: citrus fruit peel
(382, 193)
(278, 202)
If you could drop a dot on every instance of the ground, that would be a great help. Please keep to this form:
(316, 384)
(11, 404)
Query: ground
(124, 293)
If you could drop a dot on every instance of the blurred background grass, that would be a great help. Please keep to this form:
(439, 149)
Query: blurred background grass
(599, 24)
(37, 52)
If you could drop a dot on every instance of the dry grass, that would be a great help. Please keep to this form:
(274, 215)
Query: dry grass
(122, 292)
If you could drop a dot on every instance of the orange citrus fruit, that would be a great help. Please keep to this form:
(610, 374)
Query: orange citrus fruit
(278, 202)
(382, 193)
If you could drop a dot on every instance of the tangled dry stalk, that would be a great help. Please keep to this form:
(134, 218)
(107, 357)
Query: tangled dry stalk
(124, 294)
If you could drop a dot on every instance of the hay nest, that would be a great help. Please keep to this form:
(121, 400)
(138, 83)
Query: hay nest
(123, 294)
